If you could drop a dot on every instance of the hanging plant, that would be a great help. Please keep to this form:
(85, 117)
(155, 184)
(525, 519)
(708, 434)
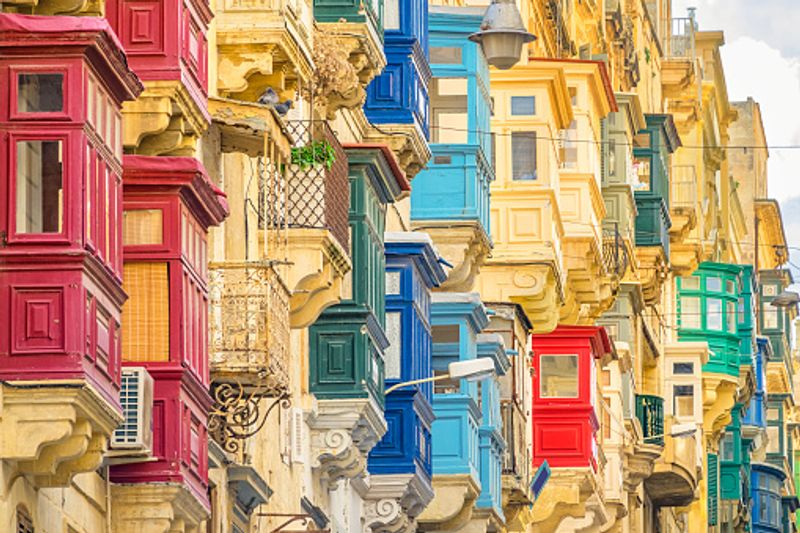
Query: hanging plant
(314, 153)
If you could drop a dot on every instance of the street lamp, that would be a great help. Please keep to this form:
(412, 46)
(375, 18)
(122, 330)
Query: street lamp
(471, 370)
(502, 34)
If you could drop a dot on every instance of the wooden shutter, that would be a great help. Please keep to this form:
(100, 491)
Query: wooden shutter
(145, 316)
(713, 489)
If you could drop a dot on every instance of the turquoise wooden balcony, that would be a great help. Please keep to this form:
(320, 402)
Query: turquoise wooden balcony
(707, 311)
(366, 12)
(455, 185)
(456, 438)
(650, 412)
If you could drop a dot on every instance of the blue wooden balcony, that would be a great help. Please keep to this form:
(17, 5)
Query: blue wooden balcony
(492, 444)
(455, 185)
(756, 414)
(399, 95)
(412, 270)
(765, 490)
(457, 318)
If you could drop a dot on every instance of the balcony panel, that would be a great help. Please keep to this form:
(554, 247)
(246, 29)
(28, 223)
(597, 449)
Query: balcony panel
(650, 412)
(456, 441)
(652, 222)
(249, 327)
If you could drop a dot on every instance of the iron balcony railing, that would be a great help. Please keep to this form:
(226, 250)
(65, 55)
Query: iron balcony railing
(615, 252)
(650, 412)
(681, 38)
(318, 195)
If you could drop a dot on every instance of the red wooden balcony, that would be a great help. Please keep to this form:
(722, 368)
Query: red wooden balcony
(565, 400)
(169, 205)
(165, 40)
(64, 80)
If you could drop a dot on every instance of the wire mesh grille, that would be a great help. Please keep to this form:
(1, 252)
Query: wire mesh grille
(319, 197)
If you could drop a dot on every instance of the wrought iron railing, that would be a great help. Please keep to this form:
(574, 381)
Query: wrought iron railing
(650, 412)
(249, 325)
(683, 186)
(516, 460)
(615, 253)
(318, 195)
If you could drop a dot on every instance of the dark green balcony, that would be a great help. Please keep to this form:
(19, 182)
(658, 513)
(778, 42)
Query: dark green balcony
(358, 11)
(650, 412)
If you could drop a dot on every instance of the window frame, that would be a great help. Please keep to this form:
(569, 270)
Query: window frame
(541, 374)
(535, 134)
(67, 157)
(66, 109)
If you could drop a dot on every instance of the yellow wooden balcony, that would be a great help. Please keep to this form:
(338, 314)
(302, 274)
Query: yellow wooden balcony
(261, 44)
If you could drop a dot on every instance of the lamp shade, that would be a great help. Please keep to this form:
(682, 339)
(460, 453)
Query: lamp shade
(502, 34)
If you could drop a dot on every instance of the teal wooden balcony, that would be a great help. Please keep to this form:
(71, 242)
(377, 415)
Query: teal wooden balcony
(365, 12)
(650, 412)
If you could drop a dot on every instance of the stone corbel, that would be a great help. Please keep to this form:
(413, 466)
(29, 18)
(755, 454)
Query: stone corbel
(640, 463)
(408, 144)
(55, 432)
(566, 495)
(452, 507)
(238, 62)
(719, 396)
(90, 8)
(319, 264)
(342, 434)
(465, 246)
(393, 502)
(155, 507)
(164, 120)
(653, 271)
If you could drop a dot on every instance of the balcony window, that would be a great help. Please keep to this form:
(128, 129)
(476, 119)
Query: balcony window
(391, 14)
(730, 286)
(446, 385)
(773, 439)
(771, 317)
(523, 105)
(683, 400)
(449, 111)
(740, 313)
(40, 93)
(714, 314)
(145, 316)
(445, 55)
(523, 155)
(690, 284)
(392, 353)
(730, 316)
(713, 284)
(727, 451)
(691, 316)
(39, 183)
(568, 151)
(142, 227)
(559, 376)
(684, 369)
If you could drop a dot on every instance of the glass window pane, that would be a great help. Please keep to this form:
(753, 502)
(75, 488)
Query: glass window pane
(40, 93)
(391, 15)
(450, 55)
(691, 283)
(730, 286)
(559, 376)
(568, 151)
(730, 316)
(714, 314)
(142, 226)
(523, 105)
(770, 317)
(449, 110)
(39, 187)
(393, 352)
(713, 284)
(523, 155)
(773, 439)
(683, 400)
(690, 314)
(727, 448)
(683, 368)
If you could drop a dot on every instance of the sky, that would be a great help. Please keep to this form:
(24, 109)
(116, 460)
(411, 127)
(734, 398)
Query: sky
(761, 58)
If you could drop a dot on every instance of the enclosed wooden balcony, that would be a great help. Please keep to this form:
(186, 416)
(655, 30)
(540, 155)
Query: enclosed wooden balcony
(263, 44)
(676, 474)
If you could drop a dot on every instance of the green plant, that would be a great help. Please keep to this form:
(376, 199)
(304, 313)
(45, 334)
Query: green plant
(314, 153)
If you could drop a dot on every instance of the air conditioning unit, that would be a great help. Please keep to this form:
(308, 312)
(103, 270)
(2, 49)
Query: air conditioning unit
(134, 436)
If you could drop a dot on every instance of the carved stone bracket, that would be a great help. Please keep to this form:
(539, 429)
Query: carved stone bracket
(408, 144)
(653, 271)
(342, 434)
(465, 246)
(719, 396)
(565, 495)
(319, 264)
(393, 502)
(452, 506)
(164, 120)
(155, 507)
(55, 432)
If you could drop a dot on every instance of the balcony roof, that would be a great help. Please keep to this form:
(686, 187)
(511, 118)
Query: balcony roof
(596, 336)
(596, 73)
(771, 234)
